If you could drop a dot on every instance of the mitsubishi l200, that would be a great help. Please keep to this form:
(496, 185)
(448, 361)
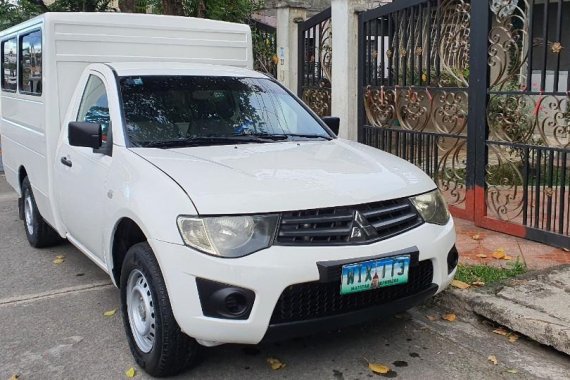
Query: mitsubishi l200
(222, 207)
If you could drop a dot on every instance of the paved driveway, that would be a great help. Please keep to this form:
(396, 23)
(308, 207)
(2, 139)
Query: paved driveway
(53, 328)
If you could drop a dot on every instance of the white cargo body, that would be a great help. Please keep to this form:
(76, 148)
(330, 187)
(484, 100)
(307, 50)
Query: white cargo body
(70, 42)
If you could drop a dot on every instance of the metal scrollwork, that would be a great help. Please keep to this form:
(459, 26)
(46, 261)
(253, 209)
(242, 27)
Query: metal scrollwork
(318, 99)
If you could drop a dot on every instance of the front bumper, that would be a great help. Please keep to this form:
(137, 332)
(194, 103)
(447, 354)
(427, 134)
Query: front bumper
(269, 272)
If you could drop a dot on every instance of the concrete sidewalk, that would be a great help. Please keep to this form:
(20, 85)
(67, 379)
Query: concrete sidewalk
(536, 305)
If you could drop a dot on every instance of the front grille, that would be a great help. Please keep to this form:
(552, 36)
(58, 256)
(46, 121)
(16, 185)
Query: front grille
(333, 226)
(317, 299)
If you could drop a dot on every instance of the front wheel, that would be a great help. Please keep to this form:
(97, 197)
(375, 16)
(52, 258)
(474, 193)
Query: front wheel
(155, 339)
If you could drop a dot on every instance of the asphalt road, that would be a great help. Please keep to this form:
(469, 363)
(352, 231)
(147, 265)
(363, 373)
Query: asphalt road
(53, 327)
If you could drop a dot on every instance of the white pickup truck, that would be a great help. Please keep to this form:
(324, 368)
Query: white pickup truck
(221, 206)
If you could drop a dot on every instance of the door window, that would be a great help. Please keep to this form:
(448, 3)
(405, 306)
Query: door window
(9, 65)
(94, 107)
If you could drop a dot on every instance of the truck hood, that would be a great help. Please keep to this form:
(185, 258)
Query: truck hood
(286, 176)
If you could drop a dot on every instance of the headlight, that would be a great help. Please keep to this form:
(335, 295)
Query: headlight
(432, 207)
(228, 236)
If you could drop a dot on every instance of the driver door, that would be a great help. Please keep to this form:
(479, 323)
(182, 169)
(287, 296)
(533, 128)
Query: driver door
(81, 173)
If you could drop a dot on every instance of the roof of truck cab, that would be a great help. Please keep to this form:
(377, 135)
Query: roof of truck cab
(184, 69)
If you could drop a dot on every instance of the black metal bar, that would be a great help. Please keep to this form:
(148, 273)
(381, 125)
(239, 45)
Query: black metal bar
(438, 39)
(397, 39)
(376, 52)
(429, 23)
(477, 128)
(562, 170)
(545, 46)
(549, 191)
(368, 51)
(313, 31)
(536, 93)
(390, 8)
(360, 74)
(300, 60)
(421, 56)
(412, 53)
(405, 39)
(537, 188)
(530, 44)
(382, 51)
(316, 19)
(525, 183)
(559, 40)
(391, 48)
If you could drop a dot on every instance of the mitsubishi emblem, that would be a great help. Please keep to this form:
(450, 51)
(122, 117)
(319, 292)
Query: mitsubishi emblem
(362, 230)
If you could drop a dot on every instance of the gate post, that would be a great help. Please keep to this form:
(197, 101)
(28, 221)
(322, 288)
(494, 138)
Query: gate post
(344, 99)
(477, 130)
(289, 14)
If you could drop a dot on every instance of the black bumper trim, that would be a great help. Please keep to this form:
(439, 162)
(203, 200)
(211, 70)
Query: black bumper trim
(288, 330)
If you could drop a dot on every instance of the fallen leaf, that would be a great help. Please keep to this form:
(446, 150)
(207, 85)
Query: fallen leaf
(15, 377)
(481, 255)
(431, 317)
(379, 368)
(499, 253)
(460, 284)
(275, 364)
(60, 257)
(449, 317)
(58, 261)
(493, 359)
(110, 313)
(501, 331)
(478, 283)
(506, 257)
(130, 372)
(512, 370)
(513, 337)
(476, 237)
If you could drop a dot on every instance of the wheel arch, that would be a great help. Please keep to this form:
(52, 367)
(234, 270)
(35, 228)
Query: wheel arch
(126, 233)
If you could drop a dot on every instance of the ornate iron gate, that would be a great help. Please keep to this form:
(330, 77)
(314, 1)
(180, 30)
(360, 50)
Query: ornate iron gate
(483, 107)
(315, 53)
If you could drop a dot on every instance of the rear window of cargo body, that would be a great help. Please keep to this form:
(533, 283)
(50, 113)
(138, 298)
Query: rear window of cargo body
(31, 63)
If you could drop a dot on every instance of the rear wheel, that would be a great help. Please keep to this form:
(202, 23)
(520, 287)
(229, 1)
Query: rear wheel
(39, 233)
(155, 339)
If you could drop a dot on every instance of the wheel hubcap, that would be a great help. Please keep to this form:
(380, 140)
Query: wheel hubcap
(28, 213)
(140, 309)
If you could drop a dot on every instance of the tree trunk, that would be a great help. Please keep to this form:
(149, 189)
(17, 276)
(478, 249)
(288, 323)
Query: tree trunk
(127, 6)
(173, 7)
(201, 9)
(42, 5)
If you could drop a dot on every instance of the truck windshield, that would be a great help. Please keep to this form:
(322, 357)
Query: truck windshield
(174, 111)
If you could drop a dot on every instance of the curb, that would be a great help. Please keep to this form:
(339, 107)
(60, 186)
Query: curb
(532, 323)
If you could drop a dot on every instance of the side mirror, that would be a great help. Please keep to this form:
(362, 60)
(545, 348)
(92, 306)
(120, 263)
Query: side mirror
(333, 123)
(85, 134)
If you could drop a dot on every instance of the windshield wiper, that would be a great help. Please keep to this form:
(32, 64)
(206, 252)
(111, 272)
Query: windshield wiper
(205, 141)
(287, 136)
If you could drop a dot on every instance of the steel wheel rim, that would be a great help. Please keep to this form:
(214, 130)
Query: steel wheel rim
(28, 213)
(140, 309)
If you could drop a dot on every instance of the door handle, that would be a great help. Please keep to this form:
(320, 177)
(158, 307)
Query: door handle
(66, 162)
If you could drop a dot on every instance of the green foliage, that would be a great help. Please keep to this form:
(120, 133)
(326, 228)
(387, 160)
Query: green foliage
(489, 274)
(12, 13)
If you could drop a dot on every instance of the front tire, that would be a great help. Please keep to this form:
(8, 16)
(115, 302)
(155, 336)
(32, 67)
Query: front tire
(155, 339)
(39, 233)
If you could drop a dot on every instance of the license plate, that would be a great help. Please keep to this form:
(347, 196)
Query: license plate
(374, 274)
